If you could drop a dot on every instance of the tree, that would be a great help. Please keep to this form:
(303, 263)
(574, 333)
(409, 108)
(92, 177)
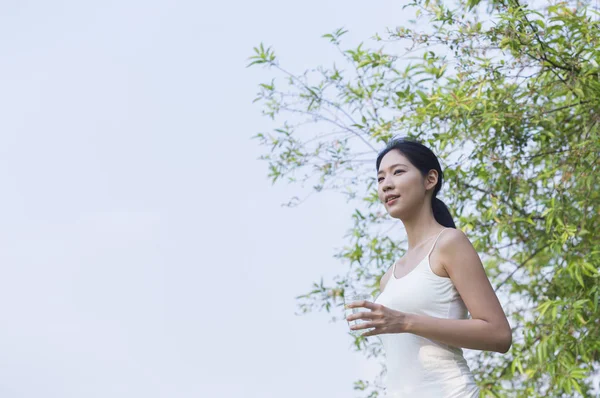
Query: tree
(508, 95)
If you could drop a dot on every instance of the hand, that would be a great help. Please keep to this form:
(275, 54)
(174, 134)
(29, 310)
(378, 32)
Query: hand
(384, 320)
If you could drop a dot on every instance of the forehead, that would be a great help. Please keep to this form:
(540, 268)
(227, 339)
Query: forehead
(392, 158)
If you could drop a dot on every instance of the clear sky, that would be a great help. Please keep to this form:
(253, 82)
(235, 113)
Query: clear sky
(144, 252)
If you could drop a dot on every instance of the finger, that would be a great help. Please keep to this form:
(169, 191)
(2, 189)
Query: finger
(361, 315)
(363, 303)
(364, 325)
(378, 328)
(371, 333)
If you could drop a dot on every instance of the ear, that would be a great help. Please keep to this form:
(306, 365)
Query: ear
(431, 179)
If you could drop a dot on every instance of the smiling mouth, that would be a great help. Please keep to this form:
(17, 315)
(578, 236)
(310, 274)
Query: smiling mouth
(392, 199)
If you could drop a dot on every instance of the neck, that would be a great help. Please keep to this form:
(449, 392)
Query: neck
(421, 226)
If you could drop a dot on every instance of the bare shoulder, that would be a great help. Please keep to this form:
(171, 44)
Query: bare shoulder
(449, 240)
(457, 253)
(454, 239)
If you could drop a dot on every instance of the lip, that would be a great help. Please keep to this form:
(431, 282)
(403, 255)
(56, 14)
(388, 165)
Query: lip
(391, 202)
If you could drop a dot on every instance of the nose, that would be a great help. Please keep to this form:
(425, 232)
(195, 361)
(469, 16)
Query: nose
(386, 184)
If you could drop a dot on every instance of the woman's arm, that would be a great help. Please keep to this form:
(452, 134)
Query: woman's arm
(476, 334)
(488, 328)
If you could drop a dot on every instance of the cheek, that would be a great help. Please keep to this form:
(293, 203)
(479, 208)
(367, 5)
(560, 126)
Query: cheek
(409, 188)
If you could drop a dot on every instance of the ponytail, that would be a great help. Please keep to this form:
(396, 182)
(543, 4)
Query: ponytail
(441, 213)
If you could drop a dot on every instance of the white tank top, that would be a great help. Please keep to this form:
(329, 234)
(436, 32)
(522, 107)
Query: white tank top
(416, 366)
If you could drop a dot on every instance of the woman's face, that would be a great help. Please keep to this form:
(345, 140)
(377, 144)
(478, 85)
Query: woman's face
(398, 177)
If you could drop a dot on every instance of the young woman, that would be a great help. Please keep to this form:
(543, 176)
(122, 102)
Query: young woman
(421, 314)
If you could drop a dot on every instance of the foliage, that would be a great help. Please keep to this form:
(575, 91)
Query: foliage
(508, 95)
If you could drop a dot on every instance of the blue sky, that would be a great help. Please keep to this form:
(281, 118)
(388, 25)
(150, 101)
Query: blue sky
(144, 250)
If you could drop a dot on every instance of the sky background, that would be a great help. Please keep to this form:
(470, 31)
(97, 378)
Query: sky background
(144, 251)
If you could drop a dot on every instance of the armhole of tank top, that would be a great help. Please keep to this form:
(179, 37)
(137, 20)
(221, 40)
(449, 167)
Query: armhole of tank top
(429, 254)
(388, 280)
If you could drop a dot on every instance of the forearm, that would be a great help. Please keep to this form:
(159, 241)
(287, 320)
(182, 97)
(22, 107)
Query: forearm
(475, 334)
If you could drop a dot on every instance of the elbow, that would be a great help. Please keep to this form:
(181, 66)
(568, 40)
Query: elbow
(504, 347)
(504, 342)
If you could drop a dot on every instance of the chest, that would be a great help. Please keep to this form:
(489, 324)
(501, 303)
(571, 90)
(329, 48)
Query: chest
(406, 264)
(420, 291)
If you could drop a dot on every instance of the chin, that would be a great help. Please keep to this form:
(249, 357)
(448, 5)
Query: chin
(395, 213)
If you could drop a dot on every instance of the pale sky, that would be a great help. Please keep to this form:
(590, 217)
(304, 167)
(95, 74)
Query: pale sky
(144, 251)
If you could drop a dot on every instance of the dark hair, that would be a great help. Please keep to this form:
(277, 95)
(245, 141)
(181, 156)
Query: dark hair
(424, 160)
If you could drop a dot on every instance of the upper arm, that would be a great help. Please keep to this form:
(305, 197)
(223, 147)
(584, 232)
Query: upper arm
(463, 265)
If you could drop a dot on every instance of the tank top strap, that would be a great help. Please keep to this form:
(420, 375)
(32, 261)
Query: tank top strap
(435, 241)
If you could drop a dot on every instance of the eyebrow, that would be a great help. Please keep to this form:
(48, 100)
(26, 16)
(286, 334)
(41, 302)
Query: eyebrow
(392, 166)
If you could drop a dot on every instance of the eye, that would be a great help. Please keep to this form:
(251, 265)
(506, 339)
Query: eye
(381, 178)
